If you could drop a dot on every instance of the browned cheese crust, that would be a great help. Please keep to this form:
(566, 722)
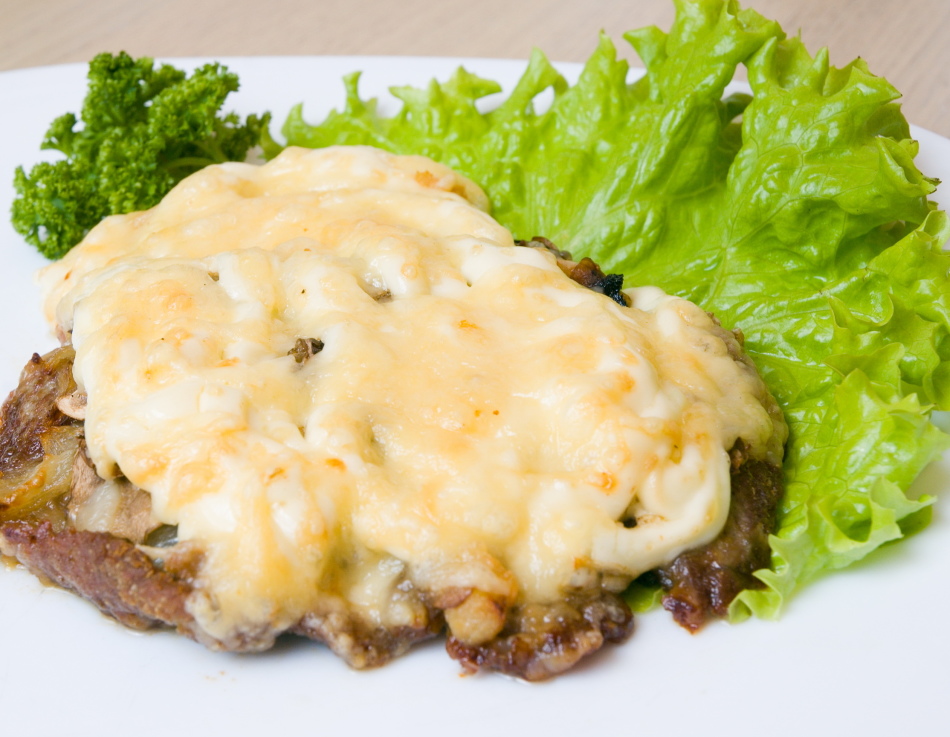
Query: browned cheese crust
(136, 572)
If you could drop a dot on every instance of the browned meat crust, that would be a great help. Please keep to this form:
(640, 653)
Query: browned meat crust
(363, 645)
(128, 585)
(541, 640)
(31, 411)
(703, 582)
(37, 441)
(110, 572)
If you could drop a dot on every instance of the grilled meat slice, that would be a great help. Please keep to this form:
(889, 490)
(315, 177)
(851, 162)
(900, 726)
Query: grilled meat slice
(46, 483)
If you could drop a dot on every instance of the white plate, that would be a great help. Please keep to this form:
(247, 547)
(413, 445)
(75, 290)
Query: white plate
(863, 652)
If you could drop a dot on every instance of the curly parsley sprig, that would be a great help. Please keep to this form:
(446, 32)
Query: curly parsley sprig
(143, 129)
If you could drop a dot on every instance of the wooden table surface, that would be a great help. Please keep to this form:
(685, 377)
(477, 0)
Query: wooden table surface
(907, 41)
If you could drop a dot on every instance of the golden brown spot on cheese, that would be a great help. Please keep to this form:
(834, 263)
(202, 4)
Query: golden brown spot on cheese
(426, 178)
(602, 480)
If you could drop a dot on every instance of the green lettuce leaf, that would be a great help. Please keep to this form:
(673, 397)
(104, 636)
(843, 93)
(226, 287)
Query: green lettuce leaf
(796, 213)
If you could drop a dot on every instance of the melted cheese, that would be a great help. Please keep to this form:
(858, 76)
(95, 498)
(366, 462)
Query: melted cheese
(475, 419)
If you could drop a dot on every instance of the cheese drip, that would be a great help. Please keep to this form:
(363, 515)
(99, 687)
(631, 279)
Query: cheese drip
(474, 419)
